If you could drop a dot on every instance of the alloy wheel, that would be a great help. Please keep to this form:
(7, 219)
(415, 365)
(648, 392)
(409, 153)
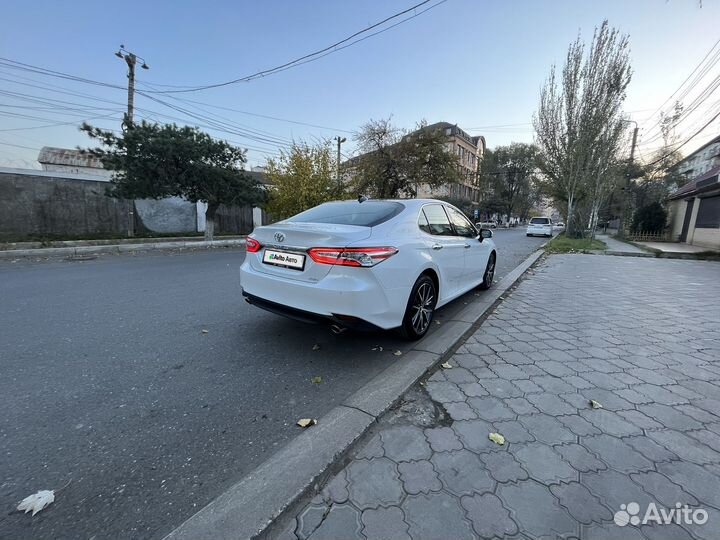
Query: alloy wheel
(423, 307)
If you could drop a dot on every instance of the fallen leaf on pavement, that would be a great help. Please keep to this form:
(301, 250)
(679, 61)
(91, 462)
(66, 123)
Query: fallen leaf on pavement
(37, 501)
(316, 347)
(595, 404)
(377, 348)
(398, 353)
(496, 438)
(204, 331)
(446, 365)
(316, 380)
(438, 322)
(306, 422)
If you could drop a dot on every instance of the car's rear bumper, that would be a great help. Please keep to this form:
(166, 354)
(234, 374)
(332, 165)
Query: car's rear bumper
(352, 297)
(344, 321)
(540, 231)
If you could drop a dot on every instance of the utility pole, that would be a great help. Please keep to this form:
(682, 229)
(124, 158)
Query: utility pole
(339, 140)
(131, 60)
(626, 189)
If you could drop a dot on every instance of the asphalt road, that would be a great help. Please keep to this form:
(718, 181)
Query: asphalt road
(108, 382)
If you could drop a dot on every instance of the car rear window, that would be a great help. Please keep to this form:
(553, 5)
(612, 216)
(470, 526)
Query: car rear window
(539, 221)
(365, 214)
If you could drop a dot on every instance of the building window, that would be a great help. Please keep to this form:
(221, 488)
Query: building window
(708, 216)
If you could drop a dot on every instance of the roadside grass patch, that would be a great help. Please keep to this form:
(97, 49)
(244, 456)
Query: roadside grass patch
(564, 244)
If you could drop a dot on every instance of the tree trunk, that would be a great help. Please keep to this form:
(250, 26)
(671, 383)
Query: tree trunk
(212, 208)
(569, 219)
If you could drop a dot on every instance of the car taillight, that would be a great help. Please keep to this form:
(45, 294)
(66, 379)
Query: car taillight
(363, 257)
(252, 245)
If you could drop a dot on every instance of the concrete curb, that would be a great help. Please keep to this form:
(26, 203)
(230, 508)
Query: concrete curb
(248, 508)
(80, 251)
(657, 255)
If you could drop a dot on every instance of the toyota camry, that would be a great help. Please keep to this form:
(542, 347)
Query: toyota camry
(367, 264)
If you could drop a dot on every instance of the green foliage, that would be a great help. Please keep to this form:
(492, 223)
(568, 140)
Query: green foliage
(565, 244)
(394, 163)
(301, 178)
(461, 203)
(510, 173)
(580, 125)
(152, 161)
(650, 218)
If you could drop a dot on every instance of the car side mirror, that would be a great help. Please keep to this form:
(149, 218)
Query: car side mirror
(485, 233)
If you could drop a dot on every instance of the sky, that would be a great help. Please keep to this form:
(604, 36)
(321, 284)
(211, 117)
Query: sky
(477, 63)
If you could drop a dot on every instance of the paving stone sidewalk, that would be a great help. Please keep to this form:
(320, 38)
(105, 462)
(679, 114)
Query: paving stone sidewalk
(640, 336)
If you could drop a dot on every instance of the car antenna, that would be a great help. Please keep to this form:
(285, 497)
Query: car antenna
(362, 198)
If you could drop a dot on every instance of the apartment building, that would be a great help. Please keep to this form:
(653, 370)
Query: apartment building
(470, 151)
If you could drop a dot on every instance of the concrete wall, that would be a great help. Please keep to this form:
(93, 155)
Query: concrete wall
(166, 215)
(707, 238)
(677, 216)
(34, 205)
(41, 204)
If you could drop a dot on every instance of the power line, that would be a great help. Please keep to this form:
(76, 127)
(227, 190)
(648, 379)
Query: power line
(267, 117)
(18, 146)
(65, 107)
(315, 55)
(687, 79)
(686, 141)
(701, 98)
(7, 62)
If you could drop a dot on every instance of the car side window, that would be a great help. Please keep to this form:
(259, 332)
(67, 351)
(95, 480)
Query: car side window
(438, 222)
(423, 223)
(462, 225)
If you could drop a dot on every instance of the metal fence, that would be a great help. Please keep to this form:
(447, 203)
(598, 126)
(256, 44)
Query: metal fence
(639, 236)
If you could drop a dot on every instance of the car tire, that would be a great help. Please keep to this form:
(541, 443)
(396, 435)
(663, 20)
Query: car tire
(420, 309)
(489, 274)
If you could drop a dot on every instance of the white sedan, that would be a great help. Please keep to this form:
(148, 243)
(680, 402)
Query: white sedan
(371, 264)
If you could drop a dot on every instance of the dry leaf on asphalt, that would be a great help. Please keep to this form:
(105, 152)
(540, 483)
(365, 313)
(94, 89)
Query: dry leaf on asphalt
(37, 501)
(595, 404)
(398, 353)
(446, 365)
(306, 422)
(496, 438)
(316, 347)
(316, 380)
(204, 331)
(377, 348)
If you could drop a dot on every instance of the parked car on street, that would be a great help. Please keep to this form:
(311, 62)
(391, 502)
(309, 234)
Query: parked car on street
(540, 226)
(486, 225)
(560, 225)
(367, 264)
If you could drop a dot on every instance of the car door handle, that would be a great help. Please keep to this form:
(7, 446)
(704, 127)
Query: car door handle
(437, 246)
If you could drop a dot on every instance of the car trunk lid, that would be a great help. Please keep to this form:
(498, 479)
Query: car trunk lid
(285, 245)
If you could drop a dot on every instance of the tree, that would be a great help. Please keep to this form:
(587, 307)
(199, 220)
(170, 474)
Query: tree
(512, 174)
(301, 178)
(650, 218)
(579, 125)
(395, 163)
(152, 161)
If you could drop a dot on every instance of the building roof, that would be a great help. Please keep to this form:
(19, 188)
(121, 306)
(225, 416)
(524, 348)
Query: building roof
(456, 131)
(68, 157)
(707, 182)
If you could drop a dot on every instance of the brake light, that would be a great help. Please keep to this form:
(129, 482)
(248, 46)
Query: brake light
(362, 257)
(252, 245)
